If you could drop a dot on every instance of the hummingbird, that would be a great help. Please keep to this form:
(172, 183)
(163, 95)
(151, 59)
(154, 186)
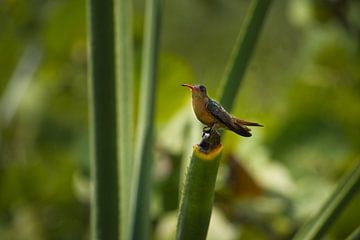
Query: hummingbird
(213, 115)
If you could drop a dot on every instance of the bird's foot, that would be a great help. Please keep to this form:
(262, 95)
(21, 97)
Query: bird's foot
(210, 139)
(206, 130)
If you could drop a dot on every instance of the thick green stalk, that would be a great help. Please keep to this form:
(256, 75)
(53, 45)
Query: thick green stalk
(124, 77)
(144, 143)
(198, 194)
(104, 205)
(242, 52)
(347, 189)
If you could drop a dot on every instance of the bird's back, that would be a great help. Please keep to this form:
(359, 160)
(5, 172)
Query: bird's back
(227, 121)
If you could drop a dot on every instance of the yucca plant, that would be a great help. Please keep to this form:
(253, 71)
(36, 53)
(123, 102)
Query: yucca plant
(121, 212)
(121, 164)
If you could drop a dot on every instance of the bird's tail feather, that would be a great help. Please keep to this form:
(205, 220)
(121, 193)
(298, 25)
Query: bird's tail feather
(246, 123)
(240, 127)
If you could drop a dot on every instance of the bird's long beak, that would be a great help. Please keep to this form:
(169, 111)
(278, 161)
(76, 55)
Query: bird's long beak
(189, 86)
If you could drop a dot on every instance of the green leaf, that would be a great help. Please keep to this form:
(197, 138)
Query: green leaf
(125, 82)
(103, 145)
(346, 190)
(242, 52)
(354, 235)
(144, 141)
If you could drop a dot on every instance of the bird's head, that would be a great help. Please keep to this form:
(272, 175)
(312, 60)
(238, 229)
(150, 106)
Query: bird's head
(196, 90)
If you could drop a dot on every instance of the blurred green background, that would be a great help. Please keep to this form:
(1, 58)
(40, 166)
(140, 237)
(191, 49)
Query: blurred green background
(303, 84)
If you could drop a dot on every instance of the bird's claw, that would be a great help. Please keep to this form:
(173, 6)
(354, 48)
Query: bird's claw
(206, 132)
(210, 139)
(207, 129)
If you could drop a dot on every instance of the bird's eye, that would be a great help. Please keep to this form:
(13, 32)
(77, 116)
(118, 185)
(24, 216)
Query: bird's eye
(202, 88)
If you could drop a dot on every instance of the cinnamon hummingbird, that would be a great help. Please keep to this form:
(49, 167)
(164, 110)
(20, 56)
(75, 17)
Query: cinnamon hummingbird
(213, 115)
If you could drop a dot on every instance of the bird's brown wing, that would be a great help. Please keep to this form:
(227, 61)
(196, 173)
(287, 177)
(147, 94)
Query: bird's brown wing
(226, 119)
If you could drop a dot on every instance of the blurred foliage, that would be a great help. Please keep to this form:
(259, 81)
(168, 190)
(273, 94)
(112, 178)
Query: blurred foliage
(303, 84)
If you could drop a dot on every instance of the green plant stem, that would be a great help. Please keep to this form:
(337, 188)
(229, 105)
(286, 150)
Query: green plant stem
(124, 77)
(242, 52)
(104, 205)
(198, 194)
(144, 142)
(346, 190)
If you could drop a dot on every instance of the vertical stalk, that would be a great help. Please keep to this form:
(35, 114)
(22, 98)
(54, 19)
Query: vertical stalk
(124, 82)
(243, 50)
(144, 143)
(198, 194)
(104, 204)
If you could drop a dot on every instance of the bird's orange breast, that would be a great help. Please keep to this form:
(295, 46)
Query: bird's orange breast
(201, 112)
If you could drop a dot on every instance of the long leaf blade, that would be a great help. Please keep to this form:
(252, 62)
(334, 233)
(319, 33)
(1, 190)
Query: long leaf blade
(242, 52)
(338, 200)
(125, 79)
(144, 142)
(104, 205)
